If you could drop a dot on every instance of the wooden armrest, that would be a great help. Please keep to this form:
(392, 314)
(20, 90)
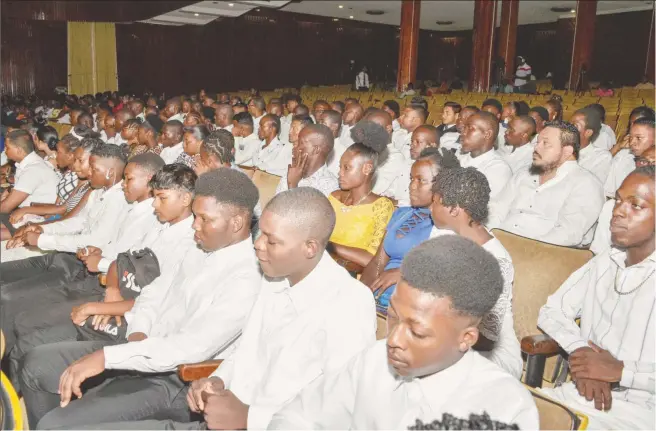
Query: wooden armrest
(541, 344)
(347, 264)
(102, 279)
(191, 372)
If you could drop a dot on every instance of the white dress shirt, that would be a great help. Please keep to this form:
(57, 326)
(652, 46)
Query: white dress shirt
(227, 128)
(622, 165)
(35, 177)
(94, 225)
(449, 140)
(336, 156)
(606, 139)
(134, 225)
(197, 317)
(285, 126)
(65, 119)
(177, 117)
(601, 241)
(345, 136)
(171, 154)
(368, 395)
(401, 140)
(256, 123)
(596, 160)
(402, 184)
(395, 125)
(294, 334)
(503, 148)
(274, 159)
(388, 174)
(245, 148)
(103, 136)
(116, 140)
(561, 211)
(362, 80)
(621, 323)
(322, 180)
(521, 158)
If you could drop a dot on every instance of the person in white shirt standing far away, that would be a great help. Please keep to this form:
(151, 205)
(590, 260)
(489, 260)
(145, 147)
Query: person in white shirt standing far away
(427, 366)
(310, 318)
(612, 351)
(362, 80)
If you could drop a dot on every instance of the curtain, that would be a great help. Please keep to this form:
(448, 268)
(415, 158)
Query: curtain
(91, 58)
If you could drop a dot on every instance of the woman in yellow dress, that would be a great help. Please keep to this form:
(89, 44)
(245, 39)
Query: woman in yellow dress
(362, 216)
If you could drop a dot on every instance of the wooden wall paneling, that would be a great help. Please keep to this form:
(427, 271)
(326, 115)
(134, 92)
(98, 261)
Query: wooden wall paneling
(483, 39)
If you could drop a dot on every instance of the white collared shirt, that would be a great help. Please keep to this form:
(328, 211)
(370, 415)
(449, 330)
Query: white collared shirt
(620, 323)
(245, 148)
(94, 225)
(103, 136)
(294, 334)
(449, 140)
(171, 154)
(402, 184)
(596, 160)
(401, 140)
(285, 127)
(35, 177)
(388, 174)
(362, 80)
(274, 159)
(606, 139)
(133, 226)
(621, 166)
(65, 119)
(502, 147)
(336, 156)
(256, 123)
(561, 211)
(227, 128)
(177, 117)
(368, 395)
(395, 125)
(322, 180)
(521, 158)
(601, 241)
(198, 317)
(345, 136)
(116, 140)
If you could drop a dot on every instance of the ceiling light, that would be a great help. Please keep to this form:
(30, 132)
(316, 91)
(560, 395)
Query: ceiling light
(335, 19)
(572, 10)
(341, 6)
(351, 16)
(231, 4)
(196, 14)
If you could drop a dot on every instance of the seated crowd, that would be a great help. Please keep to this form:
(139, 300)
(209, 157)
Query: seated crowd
(139, 241)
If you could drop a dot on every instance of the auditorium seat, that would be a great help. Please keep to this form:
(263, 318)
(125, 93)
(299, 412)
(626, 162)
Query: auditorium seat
(556, 416)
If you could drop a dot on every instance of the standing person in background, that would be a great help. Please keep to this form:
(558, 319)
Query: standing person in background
(362, 80)
(522, 75)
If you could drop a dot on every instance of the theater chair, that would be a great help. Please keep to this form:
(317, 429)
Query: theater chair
(191, 372)
(556, 416)
(11, 410)
(266, 183)
(540, 269)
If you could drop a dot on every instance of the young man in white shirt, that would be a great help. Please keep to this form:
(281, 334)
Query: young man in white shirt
(477, 150)
(246, 140)
(494, 107)
(522, 74)
(413, 117)
(293, 334)
(612, 351)
(173, 110)
(389, 171)
(309, 157)
(594, 159)
(223, 115)
(641, 138)
(291, 102)
(171, 141)
(271, 156)
(449, 133)
(606, 139)
(519, 136)
(257, 109)
(333, 120)
(352, 114)
(195, 318)
(426, 367)
(35, 180)
(555, 200)
(540, 115)
(362, 80)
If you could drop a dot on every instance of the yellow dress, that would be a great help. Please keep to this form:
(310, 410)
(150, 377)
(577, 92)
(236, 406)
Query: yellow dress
(362, 226)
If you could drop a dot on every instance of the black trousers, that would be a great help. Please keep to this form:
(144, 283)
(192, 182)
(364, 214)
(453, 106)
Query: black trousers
(112, 396)
(25, 283)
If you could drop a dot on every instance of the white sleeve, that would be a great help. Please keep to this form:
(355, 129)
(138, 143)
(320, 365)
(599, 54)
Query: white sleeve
(558, 316)
(601, 241)
(144, 311)
(498, 176)
(200, 338)
(28, 182)
(501, 206)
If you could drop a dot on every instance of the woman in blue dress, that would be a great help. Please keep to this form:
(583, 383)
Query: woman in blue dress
(408, 227)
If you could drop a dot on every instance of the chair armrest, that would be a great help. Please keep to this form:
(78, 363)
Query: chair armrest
(541, 344)
(199, 370)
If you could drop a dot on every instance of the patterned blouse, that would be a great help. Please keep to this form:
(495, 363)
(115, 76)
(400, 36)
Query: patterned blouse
(188, 160)
(66, 185)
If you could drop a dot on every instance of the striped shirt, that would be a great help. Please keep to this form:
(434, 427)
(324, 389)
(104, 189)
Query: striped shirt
(76, 196)
(616, 306)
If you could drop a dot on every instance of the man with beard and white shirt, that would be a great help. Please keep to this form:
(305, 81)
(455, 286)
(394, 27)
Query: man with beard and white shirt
(477, 150)
(556, 200)
(171, 141)
(198, 317)
(426, 368)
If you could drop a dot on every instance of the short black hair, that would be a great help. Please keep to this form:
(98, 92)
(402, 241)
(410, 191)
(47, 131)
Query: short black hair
(175, 176)
(243, 119)
(334, 116)
(420, 110)
(530, 122)
(70, 142)
(209, 113)
(149, 162)
(592, 121)
(466, 188)
(22, 139)
(471, 108)
(646, 171)
(440, 157)
(541, 111)
(176, 126)
(370, 139)
(339, 103)
(292, 98)
(494, 103)
(303, 108)
(569, 135)
(84, 132)
(259, 103)
(455, 267)
(434, 131)
(644, 121)
(557, 106)
(643, 112)
(307, 209)
(419, 101)
(200, 132)
(108, 151)
(85, 114)
(600, 110)
(48, 134)
(522, 108)
(491, 121)
(229, 186)
(454, 105)
(275, 120)
(394, 107)
(220, 143)
(305, 120)
(90, 144)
